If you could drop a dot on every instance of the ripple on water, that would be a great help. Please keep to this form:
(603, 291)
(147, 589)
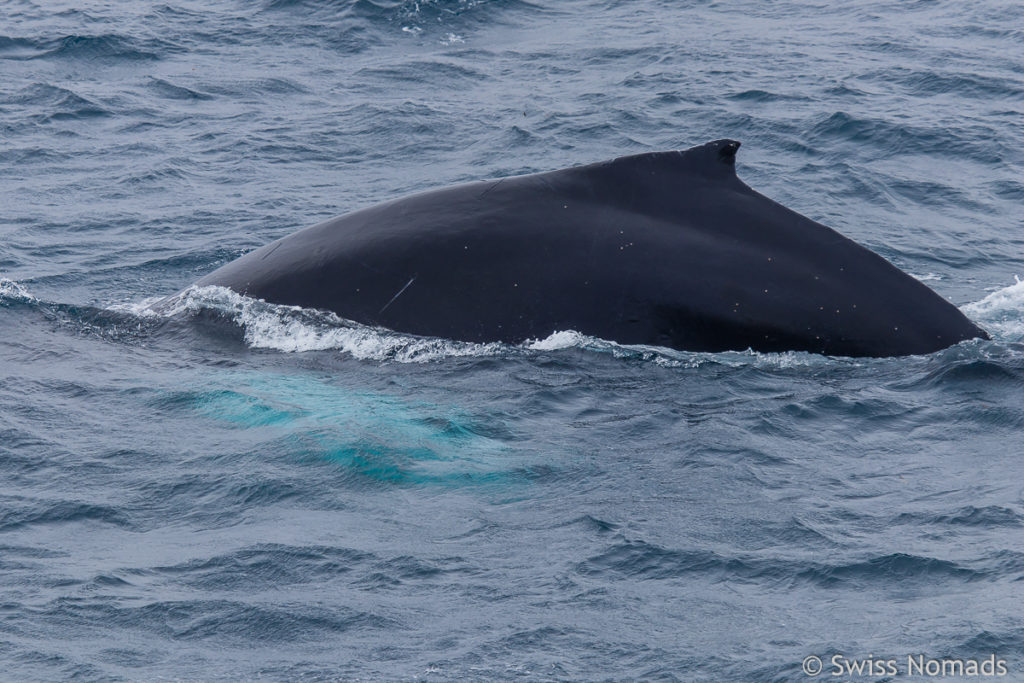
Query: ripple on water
(109, 47)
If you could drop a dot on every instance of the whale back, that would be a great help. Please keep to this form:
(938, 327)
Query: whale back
(666, 248)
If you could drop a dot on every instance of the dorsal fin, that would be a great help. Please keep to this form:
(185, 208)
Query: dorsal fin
(714, 159)
(722, 152)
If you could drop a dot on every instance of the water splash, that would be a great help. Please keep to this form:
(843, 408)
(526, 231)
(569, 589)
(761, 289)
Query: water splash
(1001, 312)
(11, 290)
(293, 329)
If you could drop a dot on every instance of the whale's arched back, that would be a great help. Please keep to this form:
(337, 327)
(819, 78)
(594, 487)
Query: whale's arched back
(665, 248)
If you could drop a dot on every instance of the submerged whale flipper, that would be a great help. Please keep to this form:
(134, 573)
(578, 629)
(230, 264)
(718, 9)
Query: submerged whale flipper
(665, 248)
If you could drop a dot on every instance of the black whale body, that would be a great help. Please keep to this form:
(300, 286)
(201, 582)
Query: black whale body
(665, 248)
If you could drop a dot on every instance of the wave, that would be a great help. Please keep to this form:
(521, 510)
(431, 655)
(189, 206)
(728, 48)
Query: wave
(13, 291)
(20, 514)
(427, 12)
(646, 561)
(1001, 313)
(238, 622)
(170, 91)
(76, 46)
(893, 138)
(17, 48)
(57, 103)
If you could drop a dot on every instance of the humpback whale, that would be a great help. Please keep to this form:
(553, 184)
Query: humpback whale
(665, 248)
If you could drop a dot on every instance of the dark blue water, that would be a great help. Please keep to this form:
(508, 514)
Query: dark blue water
(240, 491)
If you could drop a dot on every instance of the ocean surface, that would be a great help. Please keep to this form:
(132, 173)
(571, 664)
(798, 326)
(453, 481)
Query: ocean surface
(240, 491)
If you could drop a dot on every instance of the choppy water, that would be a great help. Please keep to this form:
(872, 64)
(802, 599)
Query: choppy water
(243, 491)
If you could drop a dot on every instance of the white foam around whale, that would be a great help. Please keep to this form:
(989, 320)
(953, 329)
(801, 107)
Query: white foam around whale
(294, 329)
(1001, 313)
(9, 289)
